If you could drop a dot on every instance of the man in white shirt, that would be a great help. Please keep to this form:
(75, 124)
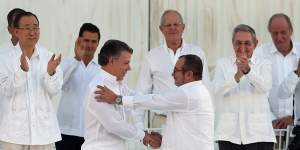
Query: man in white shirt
(156, 72)
(10, 28)
(78, 72)
(284, 53)
(29, 77)
(190, 115)
(106, 126)
(241, 87)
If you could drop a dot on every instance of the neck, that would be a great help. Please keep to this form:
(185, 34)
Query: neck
(107, 69)
(174, 45)
(87, 60)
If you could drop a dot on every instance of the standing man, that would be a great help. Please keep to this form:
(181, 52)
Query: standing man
(241, 87)
(29, 77)
(106, 126)
(190, 117)
(78, 72)
(156, 73)
(284, 53)
(11, 27)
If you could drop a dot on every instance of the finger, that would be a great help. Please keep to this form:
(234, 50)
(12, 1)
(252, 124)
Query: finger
(280, 124)
(52, 58)
(99, 98)
(100, 87)
(59, 58)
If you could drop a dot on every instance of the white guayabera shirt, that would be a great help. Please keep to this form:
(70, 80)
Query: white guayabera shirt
(30, 118)
(283, 68)
(242, 109)
(77, 77)
(157, 68)
(106, 126)
(190, 116)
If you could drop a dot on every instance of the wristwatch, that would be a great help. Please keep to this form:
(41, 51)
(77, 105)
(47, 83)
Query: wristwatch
(119, 100)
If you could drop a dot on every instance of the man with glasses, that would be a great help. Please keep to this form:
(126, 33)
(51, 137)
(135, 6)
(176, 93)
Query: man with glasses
(241, 87)
(156, 72)
(29, 77)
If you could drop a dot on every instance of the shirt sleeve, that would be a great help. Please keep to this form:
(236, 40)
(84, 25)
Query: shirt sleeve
(175, 100)
(288, 86)
(11, 80)
(68, 66)
(260, 77)
(112, 120)
(223, 81)
(206, 76)
(53, 84)
(145, 81)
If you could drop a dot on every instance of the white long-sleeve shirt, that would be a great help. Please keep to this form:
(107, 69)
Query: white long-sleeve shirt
(30, 118)
(106, 127)
(156, 71)
(242, 109)
(77, 77)
(283, 68)
(190, 116)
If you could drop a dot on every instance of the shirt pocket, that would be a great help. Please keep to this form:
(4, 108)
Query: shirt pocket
(259, 125)
(228, 124)
(18, 103)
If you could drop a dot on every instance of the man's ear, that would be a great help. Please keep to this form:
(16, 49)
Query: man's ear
(189, 75)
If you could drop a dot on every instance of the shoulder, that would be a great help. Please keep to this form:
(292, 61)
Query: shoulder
(263, 49)
(224, 60)
(193, 49)
(155, 51)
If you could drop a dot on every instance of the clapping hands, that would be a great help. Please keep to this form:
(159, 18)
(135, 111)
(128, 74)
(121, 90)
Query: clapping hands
(53, 63)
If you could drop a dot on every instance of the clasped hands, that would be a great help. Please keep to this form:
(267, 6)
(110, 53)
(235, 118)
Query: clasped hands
(104, 94)
(153, 139)
(243, 67)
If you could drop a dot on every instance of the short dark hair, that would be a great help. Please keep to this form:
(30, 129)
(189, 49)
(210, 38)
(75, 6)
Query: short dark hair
(244, 28)
(12, 15)
(193, 63)
(278, 15)
(23, 14)
(112, 48)
(90, 28)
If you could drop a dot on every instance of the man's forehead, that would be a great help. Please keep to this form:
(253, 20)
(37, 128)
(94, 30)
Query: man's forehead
(28, 20)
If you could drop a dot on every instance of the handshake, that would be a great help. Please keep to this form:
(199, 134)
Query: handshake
(153, 139)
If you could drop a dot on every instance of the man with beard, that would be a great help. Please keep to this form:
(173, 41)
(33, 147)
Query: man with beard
(78, 72)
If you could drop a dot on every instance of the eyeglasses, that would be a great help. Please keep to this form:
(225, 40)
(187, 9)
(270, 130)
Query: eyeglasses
(240, 43)
(29, 29)
(176, 25)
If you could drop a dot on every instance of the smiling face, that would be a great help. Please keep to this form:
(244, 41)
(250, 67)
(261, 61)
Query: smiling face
(28, 31)
(172, 27)
(243, 44)
(281, 33)
(121, 65)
